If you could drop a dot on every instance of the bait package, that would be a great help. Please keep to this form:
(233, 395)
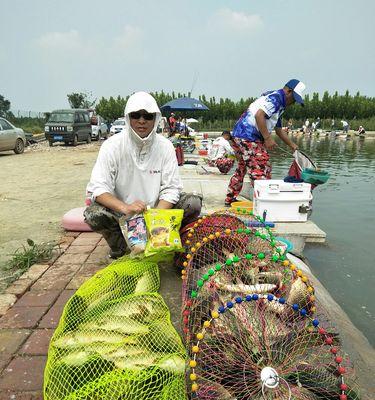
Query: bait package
(163, 228)
(134, 232)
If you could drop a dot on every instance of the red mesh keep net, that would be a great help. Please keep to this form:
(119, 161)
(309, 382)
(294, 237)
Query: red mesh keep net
(250, 318)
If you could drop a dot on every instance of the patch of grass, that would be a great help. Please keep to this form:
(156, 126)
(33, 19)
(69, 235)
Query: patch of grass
(24, 257)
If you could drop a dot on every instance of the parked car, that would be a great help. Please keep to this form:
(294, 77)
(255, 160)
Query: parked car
(30, 138)
(11, 138)
(117, 126)
(68, 126)
(99, 128)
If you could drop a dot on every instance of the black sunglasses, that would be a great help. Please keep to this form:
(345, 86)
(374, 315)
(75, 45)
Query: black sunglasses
(138, 115)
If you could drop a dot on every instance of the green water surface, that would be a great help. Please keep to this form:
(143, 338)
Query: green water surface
(344, 208)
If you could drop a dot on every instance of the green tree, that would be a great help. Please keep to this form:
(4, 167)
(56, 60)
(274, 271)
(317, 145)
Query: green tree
(4, 106)
(111, 109)
(80, 100)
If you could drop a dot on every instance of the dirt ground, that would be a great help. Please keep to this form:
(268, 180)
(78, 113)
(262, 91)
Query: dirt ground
(37, 188)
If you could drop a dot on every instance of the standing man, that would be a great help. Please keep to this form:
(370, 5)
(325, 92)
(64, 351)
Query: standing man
(252, 135)
(172, 124)
(134, 170)
(219, 152)
(345, 126)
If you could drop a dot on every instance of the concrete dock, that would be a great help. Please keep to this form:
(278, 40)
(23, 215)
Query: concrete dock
(213, 186)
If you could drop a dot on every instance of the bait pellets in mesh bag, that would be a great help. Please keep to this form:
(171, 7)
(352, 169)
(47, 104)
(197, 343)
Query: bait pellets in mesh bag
(163, 228)
(134, 232)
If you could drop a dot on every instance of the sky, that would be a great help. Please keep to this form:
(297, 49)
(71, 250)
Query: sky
(221, 48)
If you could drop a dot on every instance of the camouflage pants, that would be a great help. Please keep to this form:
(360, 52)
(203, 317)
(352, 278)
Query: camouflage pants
(106, 222)
(224, 164)
(253, 158)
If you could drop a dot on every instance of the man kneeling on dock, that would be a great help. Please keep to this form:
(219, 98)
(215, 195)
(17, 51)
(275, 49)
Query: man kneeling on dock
(220, 152)
(136, 169)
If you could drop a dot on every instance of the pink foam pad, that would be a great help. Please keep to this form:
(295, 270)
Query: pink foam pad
(73, 220)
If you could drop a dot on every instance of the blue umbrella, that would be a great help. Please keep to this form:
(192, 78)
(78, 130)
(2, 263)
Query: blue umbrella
(184, 104)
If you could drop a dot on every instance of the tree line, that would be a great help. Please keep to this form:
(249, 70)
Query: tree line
(327, 106)
(223, 112)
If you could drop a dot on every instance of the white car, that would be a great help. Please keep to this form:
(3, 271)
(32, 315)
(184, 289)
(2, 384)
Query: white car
(117, 126)
(99, 128)
(11, 138)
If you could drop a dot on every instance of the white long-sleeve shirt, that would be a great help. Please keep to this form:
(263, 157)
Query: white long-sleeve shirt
(154, 178)
(219, 148)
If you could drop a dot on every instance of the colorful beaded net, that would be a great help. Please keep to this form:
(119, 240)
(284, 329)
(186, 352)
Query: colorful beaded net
(251, 321)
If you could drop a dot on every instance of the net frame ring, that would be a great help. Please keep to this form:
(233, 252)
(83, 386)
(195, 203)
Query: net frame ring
(269, 377)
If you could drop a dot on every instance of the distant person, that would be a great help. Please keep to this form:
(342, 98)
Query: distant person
(317, 122)
(172, 123)
(220, 152)
(307, 126)
(345, 126)
(134, 170)
(361, 131)
(164, 126)
(184, 128)
(252, 135)
(332, 124)
(178, 125)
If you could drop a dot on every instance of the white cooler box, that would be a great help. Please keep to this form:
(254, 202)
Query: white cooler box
(282, 201)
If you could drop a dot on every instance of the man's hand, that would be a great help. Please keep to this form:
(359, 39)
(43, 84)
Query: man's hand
(113, 203)
(260, 117)
(136, 207)
(269, 143)
(293, 146)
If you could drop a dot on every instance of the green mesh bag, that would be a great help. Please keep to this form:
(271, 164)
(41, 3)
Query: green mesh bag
(115, 340)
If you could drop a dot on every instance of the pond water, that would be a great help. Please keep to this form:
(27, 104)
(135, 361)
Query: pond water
(344, 208)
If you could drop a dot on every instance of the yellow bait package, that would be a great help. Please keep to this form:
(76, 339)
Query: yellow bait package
(163, 230)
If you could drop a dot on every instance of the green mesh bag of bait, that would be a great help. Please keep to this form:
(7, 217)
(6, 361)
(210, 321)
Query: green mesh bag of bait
(115, 340)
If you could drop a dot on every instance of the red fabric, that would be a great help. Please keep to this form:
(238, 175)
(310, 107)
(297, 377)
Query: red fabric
(180, 155)
(296, 172)
(172, 124)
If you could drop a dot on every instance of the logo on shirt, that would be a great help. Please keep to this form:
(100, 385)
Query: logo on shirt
(155, 171)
